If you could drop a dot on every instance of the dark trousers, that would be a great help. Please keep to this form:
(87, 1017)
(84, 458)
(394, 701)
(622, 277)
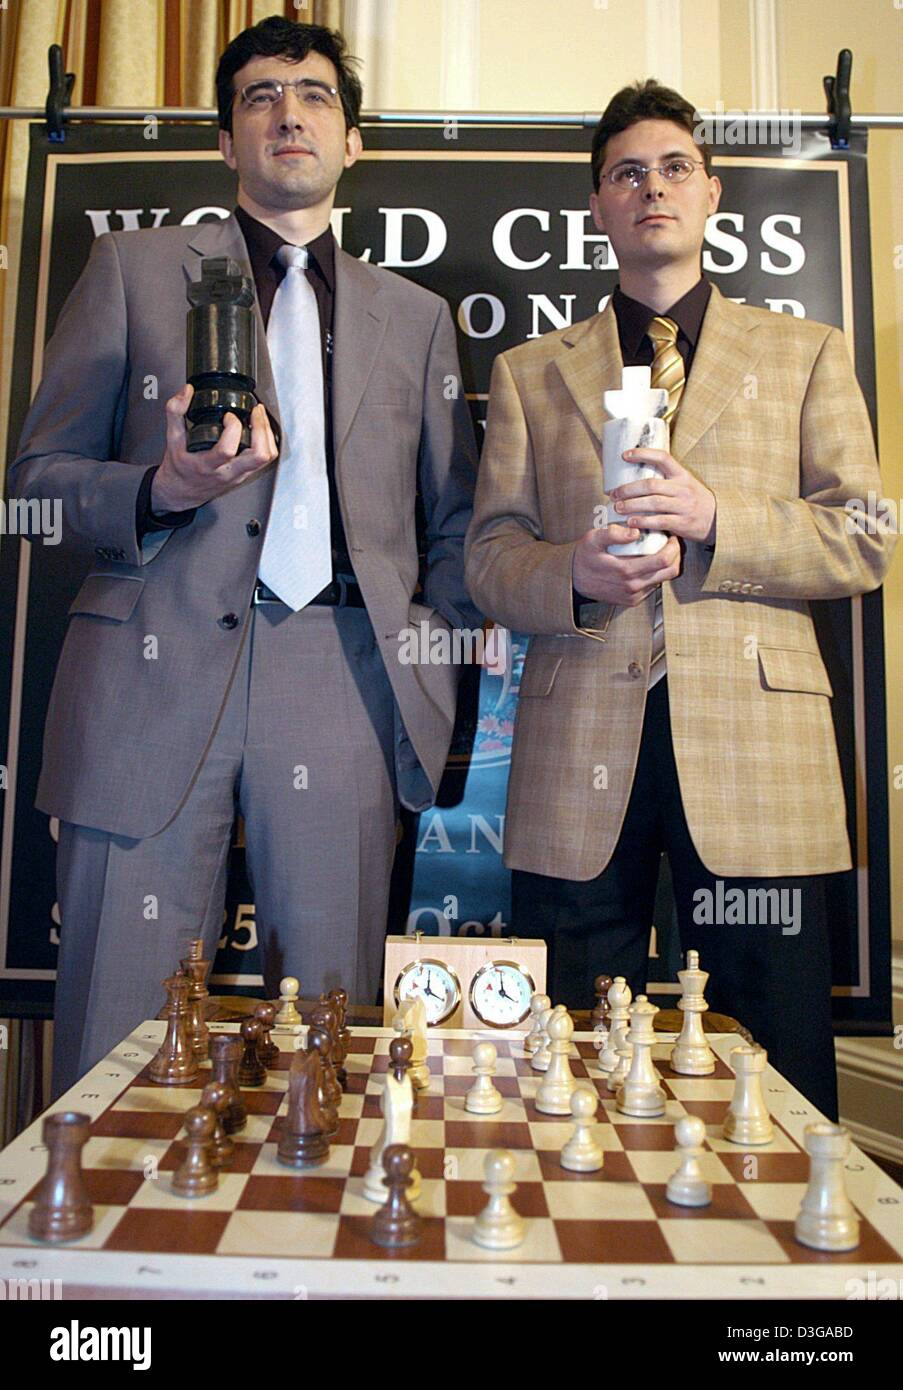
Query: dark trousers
(771, 969)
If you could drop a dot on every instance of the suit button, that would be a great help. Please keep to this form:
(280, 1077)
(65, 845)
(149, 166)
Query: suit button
(756, 589)
(634, 670)
(253, 527)
(725, 586)
(229, 620)
(745, 588)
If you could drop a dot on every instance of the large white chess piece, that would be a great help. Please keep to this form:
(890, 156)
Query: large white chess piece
(558, 1084)
(641, 1092)
(748, 1121)
(619, 997)
(691, 1054)
(397, 1108)
(827, 1219)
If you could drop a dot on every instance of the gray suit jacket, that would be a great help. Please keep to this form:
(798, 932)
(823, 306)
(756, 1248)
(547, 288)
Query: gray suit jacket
(125, 735)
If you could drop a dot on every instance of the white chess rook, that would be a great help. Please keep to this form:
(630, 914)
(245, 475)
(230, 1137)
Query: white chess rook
(827, 1219)
(691, 1054)
(748, 1121)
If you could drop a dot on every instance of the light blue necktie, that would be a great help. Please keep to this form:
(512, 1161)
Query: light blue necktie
(296, 561)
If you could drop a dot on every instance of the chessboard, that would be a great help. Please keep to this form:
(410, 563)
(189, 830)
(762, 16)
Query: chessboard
(274, 1231)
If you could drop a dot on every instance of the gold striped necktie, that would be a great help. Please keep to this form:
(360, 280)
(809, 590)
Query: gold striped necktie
(667, 372)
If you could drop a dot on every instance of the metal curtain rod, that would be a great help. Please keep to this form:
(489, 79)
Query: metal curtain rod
(583, 120)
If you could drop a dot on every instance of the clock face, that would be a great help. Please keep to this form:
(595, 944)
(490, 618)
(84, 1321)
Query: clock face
(500, 994)
(432, 982)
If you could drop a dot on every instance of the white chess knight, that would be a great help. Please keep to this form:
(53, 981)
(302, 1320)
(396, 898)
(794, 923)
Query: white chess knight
(411, 1019)
(691, 1054)
(288, 1016)
(539, 1003)
(686, 1186)
(581, 1153)
(641, 1092)
(558, 1084)
(483, 1098)
(827, 1219)
(397, 1107)
(498, 1226)
(619, 997)
(748, 1121)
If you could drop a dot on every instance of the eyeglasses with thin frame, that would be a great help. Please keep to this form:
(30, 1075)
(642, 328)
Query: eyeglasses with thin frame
(633, 176)
(313, 95)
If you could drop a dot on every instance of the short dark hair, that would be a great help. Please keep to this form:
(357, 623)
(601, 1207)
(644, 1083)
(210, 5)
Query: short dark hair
(284, 38)
(644, 101)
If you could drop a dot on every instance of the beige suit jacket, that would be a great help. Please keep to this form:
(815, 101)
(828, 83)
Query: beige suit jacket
(773, 421)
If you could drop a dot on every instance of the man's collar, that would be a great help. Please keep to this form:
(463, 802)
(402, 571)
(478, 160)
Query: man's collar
(634, 317)
(263, 243)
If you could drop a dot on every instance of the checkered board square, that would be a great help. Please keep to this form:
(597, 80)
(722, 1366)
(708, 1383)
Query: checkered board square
(613, 1230)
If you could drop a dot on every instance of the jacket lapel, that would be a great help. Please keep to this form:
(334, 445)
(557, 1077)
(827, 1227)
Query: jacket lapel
(360, 326)
(589, 363)
(725, 354)
(224, 238)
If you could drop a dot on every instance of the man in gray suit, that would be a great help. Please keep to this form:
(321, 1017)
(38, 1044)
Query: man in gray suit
(207, 667)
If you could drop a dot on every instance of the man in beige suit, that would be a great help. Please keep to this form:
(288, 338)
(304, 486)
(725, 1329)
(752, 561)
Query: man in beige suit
(206, 669)
(678, 702)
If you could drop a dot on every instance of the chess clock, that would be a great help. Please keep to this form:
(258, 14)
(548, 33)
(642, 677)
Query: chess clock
(436, 984)
(466, 982)
(500, 994)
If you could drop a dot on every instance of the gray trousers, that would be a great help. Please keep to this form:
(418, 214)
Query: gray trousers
(303, 747)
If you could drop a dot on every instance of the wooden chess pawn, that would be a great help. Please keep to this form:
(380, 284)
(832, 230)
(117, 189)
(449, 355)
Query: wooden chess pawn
(483, 1098)
(222, 1148)
(827, 1219)
(748, 1121)
(62, 1210)
(691, 1054)
(687, 1187)
(288, 1016)
(251, 1070)
(225, 1053)
(558, 1085)
(397, 1225)
(619, 997)
(339, 1000)
(498, 1226)
(542, 1055)
(197, 1176)
(539, 1003)
(599, 1018)
(267, 1050)
(581, 1153)
(175, 1063)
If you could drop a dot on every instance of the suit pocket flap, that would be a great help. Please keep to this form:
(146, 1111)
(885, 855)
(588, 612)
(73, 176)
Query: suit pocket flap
(108, 596)
(785, 668)
(538, 675)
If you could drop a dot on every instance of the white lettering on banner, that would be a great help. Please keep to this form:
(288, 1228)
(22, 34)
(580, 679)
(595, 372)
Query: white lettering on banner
(496, 323)
(437, 237)
(100, 219)
(787, 246)
(501, 238)
(723, 241)
(577, 239)
(542, 304)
